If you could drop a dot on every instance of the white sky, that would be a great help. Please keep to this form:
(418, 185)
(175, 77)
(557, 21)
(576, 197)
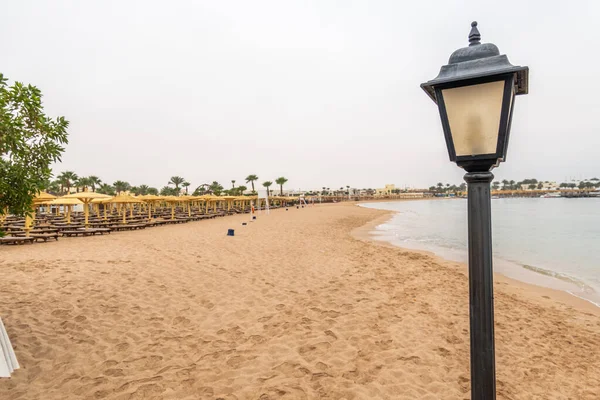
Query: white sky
(325, 93)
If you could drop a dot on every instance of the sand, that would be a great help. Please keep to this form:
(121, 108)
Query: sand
(297, 305)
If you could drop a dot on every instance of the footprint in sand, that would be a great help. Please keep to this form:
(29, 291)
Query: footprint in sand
(80, 318)
(147, 391)
(122, 346)
(114, 372)
(442, 351)
(311, 350)
(322, 366)
(61, 313)
(292, 370)
(181, 321)
(330, 333)
(145, 362)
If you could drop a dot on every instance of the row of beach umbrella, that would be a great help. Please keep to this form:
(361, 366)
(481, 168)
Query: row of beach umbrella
(86, 199)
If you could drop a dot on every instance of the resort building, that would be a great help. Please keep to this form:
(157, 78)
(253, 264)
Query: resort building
(387, 190)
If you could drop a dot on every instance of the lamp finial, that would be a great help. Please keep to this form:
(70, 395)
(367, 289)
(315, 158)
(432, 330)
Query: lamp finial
(474, 35)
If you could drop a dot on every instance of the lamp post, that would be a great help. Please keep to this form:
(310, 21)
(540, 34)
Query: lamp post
(475, 95)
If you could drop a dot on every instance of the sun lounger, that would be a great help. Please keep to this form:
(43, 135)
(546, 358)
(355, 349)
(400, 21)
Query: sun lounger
(86, 232)
(44, 236)
(127, 227)
(76, 233)
(16, 240)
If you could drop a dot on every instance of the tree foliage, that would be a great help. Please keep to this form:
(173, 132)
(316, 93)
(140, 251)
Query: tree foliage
(29, 142)
(267, 184)
(121, 186)
(281, 181)
(251, 179)
(216, 188)
(169, 191)
(105, 188)
(176, 180)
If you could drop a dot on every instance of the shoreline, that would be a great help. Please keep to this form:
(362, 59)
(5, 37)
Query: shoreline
(565, 297)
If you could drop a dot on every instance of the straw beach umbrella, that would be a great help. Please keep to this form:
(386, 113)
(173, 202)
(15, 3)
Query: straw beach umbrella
(124, 199)
(229, 200)
(188, 200)
(104, 202)
(172, 200)
(149, 199)
(68, 203)
(40, 199)
(86, 198)
(206, 199)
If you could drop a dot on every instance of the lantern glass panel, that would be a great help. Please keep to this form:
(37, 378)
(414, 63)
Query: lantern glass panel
(474, 117)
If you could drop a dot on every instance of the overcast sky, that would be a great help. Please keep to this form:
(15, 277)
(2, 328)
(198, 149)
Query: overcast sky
(325, 93)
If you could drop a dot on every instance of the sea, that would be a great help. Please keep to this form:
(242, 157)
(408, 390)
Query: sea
(550, 242)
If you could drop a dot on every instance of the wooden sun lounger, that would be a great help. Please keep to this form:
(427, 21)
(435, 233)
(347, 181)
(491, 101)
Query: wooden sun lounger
(86, 232)
(16, 240)
(127, 227)
(44, 236)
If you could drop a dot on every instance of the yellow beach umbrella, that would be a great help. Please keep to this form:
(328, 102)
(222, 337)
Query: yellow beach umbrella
(124, 199)
(229, 200)
(188, 200)
(205, 198)
(68, 203)
(42, 197)
(172, 200)
(149, 199)
(86, 198)
(105, 202)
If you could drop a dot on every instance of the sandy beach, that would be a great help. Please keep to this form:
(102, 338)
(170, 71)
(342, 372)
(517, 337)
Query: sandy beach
(297, 305)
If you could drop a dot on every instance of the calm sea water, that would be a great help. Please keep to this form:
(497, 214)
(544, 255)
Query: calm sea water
(551, 242)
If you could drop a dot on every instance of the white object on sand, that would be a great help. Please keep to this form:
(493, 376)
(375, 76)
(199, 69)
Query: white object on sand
(8, 359)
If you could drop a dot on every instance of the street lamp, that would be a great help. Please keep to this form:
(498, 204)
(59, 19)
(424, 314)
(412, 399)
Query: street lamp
(475, 95)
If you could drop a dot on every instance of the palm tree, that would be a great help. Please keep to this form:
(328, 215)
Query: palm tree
(251, 178)
(83, 183)
(233, 183)
(54, 187)
(153, 191)
(94, 181)
(512, 185)
(106, 189)
(186, 185)
(135, 190)
(216, 188)
(143, 190)
(67, 179)
(281, 181)
(267, 184)
(176, 180)
(241, 190)
(121, 186)
(168, 191)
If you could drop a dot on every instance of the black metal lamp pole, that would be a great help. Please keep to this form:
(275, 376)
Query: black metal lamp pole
(475, 95)
(481, 290)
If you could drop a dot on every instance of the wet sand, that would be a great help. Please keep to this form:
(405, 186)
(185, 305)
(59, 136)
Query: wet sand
(298, 305)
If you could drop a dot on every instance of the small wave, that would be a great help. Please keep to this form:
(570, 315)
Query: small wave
(563, 277)
(583, 298)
